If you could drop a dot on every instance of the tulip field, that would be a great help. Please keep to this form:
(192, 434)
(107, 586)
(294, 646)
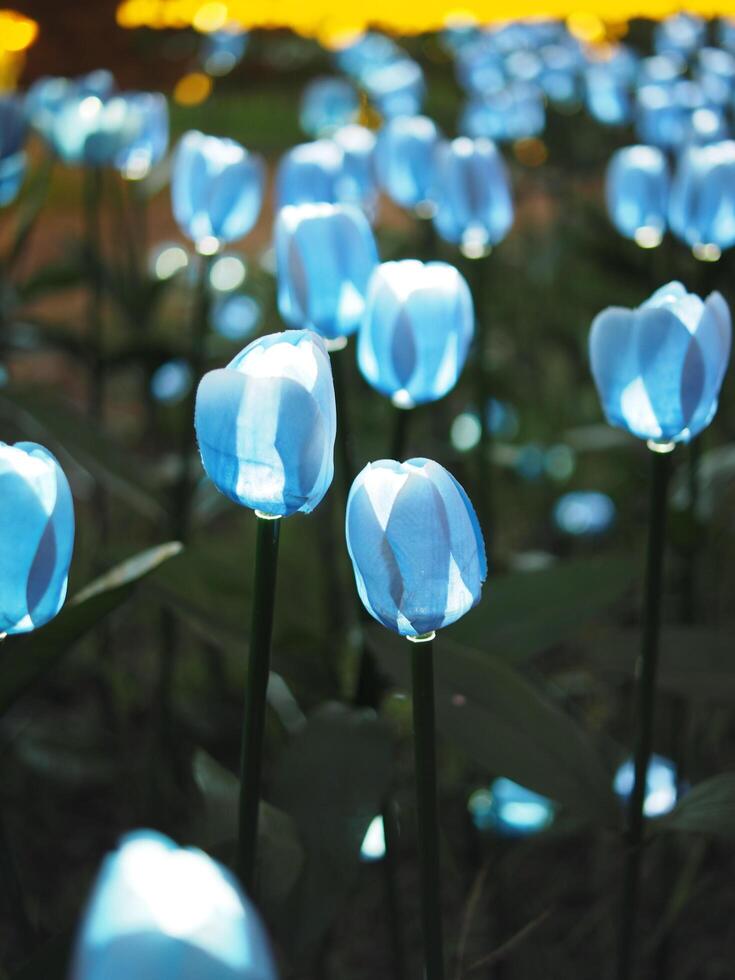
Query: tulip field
(367, 474)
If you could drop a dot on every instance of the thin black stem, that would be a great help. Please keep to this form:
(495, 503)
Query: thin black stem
(422, 662)
(392, 898)
(645, 699)
(261, 631)
(402, 419)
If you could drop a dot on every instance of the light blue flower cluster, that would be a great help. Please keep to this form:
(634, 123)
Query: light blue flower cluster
(36, 536)
(661, 785)
(391, 78)
(216, 189)
(266, 424)
(416, 545)
(329, 171)
(659, 368)
(158, 910)
(416, 330)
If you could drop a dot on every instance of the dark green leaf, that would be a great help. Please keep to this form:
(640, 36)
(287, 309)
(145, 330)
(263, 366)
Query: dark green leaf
(708, 808)
(26, 658)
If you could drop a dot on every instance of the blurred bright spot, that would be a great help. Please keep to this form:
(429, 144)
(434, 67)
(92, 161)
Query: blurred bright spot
(560, 462)
(531, 151)
(707, 253)
(17, 32)
(210, 17)
(235, 317)
(510, 809)
(660, 785)
(166, 260)
(227, 273)
(475, 244)
(465, 432)
(171, 381)
(583, 513)
(502, 419)
(531, 462)
(648, 237)
(586, 27)
(209, 245)
(402, 399)
(193, 88)
(373, 846)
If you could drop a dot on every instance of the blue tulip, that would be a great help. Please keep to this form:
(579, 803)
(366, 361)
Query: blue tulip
(479, 67)
(357, 183)
(12, 154)
(266, 424)
(310, 173)
(661, 119)
(560, 75)
(221, 51)
(681, 34)
(584, 513)
(608, 98)
(368, 51)
(404, 159)
(416, 545)
(474, 208)
(637, 193)
(702, 203)
(325, 255)
(149, 147)
(661, 785)
(158, 910)
(659, 368)
(516, 112)
(93, 131)
(397, 88)
(416, 330)
(46, 96)
(510, 810)
(216, 188)
(36, 536)
(326, 104)
(716, 74)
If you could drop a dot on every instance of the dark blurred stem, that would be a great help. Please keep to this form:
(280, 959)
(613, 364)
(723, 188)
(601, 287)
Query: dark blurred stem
(645, 698)
(251, 759)
(689, 595)
(344, 435)
(422, 663)
(93, 257)
(429, 250)
(392, 899)
(476, 270)
(14, 894)
(400, 433)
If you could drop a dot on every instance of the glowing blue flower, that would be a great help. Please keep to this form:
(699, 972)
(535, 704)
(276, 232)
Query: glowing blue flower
(309, 174)
(368, 51)
(680, 34)
(607, 97)
(560, 75)
(659, 368)
(584, 513)
(235, 317)
(479, 67)
(149, 146)
(474, 208)
(266, 424)
(216, 188)
(661, 119)
(416, 546)
(357, 183)
(36, 536)
(637, 192)
(661, 785)
(326, 104)
(325, 255)
(404, 159)
(373, 844)
(12, 155)
(46, 96)
(510, 809)
(94, 131)
(416, 331)
(702, 203)
(515, 112)
(171, 381)
(396, 88)
(221, 51)
(158, 910)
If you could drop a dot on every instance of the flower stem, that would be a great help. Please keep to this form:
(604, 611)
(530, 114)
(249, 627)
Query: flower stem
(394, 916)
(645, 697)
(400, 433)
(422, 662)
(261, 631)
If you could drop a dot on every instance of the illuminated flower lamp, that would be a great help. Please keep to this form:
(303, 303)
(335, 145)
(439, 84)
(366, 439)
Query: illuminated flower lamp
(637, 193)
(510, 810)
(661, 785)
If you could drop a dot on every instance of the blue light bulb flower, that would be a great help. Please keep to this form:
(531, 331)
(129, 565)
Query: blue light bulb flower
(510, 809)
(36, 536)
(325, 255)
(150, 144)
(171, 381)
(266, 424)
(222, 50)
(12, 154)
(93, 131)
(608, 98)
(479, 67)
(474, 208)
(584, 513)
(416, 545)
(158, 910)
(397, 88)
(216, 188)
(326, 105)
(309, 174)
(357, 183)
(515, 112)
(637, 193)
(680, 34)
(659, 368)
(661, 785)
(46, 96)
(235, 317)
(702, 202)
(404, 159)
(416, 330)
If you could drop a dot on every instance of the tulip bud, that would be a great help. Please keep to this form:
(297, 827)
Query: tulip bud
(415, 544)
(158, 910)
(309, 173)
(416, 331)
(149, 146)
(266, 424)
(36, 536)
(325, 255)
(702, 203)
(216, 188)
(637, 193)
(658, 369)
(404, 159)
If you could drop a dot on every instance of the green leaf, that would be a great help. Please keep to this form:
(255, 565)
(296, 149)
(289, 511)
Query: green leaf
(508, 726)
(331, 780)
(525, 613)
(708, 808)
(73, 436)
(24, 659)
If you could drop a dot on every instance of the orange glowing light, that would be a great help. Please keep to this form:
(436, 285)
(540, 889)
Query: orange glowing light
(193, 88)
(17, 32)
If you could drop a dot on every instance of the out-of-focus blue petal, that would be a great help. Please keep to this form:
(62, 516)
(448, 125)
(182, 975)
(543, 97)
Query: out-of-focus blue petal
(151, 142)
(357, 183)
(326, 105)
(661, 785)
(584, 513)
(515, 112)
(235, 317)
(309, 174)
(637, 193)
(221, 51)
(404, 159)
(396, 88)
(325, 255)
(266, 424)
(36, 537)
(415, 545)
(510, 809)
(171, 381)
(157, 910)
(12, 172)
(702, 203)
